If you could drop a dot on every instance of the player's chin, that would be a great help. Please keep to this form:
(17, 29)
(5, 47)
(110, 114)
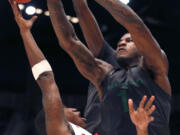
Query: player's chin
(123, 56)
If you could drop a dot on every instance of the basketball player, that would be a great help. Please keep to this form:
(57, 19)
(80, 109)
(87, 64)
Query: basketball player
(135, 49)
(141, 69)
(56, 123)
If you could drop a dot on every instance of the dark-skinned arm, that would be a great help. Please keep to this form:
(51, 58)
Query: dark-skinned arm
(155, 59)
(83, 58)
(54, 112)
(89, 26)
(141, 35)
(56, 122)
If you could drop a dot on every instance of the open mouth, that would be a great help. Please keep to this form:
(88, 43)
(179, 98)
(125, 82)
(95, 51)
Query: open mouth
(122, 50)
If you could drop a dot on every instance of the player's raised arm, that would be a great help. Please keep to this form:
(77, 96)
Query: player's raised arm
(89, 26)
(142, 116)
(155, 59)
(42, 72)
(83, 58)
(147, 45)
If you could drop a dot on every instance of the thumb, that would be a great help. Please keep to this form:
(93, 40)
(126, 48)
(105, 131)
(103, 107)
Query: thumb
(33, 19)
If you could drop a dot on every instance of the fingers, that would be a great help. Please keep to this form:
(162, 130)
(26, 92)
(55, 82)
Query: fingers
(74, 109)
(83, 119)
(13, 4)
(141, 105)
(15, 8)
(149, 103)
(82, 123)
(77, 113)
(150, 111)
(151, 119)
(130, 104)
(10, 1)
(149, 108)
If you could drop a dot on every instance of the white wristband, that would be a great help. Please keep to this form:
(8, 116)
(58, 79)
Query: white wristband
(40, 68)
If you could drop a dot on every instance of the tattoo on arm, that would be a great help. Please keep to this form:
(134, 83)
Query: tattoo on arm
(86, 63)
(82, 57)
(121, 12)
(63, 28)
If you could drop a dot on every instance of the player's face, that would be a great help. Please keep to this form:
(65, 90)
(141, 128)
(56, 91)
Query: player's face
(126, 48)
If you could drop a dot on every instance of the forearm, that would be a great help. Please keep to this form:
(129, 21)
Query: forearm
(32, 50)
(90, 28)
(122, 13)
(142, 132)
(82, 57)
(62, 27)
(52, 103)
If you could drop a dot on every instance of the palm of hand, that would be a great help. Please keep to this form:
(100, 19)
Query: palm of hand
(25, 24)
(22, 23)
(73, 116)
(140, 118)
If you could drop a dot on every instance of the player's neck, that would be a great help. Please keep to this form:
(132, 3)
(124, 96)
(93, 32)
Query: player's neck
(128, 63)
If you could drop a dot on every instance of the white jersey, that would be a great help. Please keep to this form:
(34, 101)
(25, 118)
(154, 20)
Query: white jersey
(78, 130)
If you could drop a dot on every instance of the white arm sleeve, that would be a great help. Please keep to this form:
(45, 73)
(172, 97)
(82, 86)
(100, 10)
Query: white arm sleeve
(40, 68)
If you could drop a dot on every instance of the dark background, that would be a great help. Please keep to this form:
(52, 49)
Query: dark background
(20, 97)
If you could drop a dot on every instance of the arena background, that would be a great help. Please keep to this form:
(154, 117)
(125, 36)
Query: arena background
(20, 97)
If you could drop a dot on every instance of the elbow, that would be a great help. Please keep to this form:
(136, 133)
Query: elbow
(45, 81)
(69, 43)
(46, 77)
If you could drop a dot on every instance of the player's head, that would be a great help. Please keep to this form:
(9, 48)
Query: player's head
(127, 54)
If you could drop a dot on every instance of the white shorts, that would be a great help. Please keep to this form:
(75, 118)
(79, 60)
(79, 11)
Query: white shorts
(78, 130)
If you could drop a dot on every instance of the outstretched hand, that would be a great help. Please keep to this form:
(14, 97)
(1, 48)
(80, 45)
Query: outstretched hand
(74, 117)
(22, 23)
(142, 116)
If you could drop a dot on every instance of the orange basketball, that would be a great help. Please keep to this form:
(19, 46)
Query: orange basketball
(22, 1)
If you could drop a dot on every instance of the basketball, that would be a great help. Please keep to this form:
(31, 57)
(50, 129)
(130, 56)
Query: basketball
(22, 1)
